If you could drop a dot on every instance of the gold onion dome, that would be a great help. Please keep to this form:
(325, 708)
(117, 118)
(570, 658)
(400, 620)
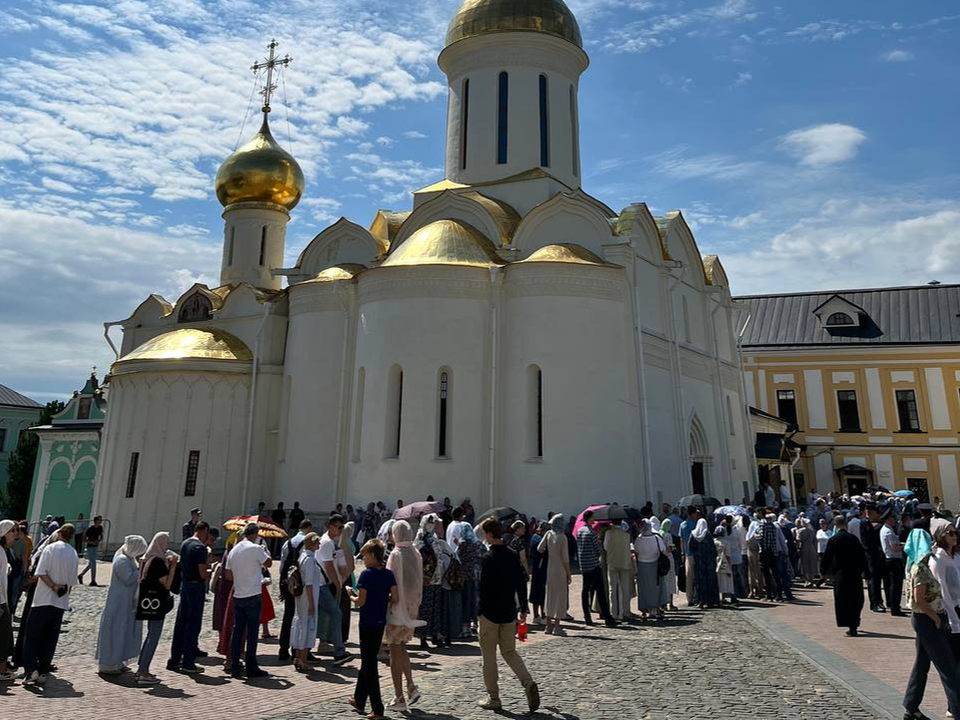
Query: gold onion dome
(260, 171)
(191, 344)
(565, 253)
(445, 242)
(479, 17)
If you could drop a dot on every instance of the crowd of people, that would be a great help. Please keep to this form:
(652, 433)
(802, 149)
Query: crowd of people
(442, 577)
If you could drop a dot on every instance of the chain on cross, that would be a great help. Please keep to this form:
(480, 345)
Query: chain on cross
(270, 64)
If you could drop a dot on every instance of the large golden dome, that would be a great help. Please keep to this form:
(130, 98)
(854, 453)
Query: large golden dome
(479, 17)
(445, 242)
(260, 171)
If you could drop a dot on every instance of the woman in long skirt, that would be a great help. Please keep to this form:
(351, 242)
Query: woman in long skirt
(538, 574)
(469, 551)
(647, 548)
(809, 556)
(668, 582)
(431, 602)
(705, 565)
(724, 566)
(557, 601)
(120, 632)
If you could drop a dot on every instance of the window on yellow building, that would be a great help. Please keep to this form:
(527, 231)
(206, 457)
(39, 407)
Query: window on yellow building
(787, 406)
(849, 412)
(907, 411)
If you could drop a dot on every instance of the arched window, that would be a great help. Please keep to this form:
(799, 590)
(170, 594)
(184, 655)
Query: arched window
(358, 415)
(233, 235)
(391, 437)
(839, 318)
(731, 421)
(464, 123)
(443, 414)
(686, 319)
(534, 412)
(544, 124)
(263, 244)
(574, 132)
(502, 102)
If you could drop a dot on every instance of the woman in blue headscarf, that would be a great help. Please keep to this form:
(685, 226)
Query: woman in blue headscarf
(469, 551)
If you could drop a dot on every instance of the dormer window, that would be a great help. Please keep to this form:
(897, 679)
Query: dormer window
(840, 319)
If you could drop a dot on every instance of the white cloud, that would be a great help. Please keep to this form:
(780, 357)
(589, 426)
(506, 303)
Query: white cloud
(855, 243)
(743, 78)
(678, 164)
(414, 135)
(897, 56)
(825, 144)
(659, 29)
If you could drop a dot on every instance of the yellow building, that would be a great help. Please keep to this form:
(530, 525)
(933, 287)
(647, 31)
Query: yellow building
(871, 380)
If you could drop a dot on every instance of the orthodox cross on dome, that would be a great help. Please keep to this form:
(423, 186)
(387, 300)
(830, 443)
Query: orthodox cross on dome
(270, 63)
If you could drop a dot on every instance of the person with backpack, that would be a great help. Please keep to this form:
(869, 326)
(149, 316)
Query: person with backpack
(289, 557)
(303, 585)
(155, 601)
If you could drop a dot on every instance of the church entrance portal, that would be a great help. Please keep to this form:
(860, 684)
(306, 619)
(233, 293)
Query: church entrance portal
(696, 474)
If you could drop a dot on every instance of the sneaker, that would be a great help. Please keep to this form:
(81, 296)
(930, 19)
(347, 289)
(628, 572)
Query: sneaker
(398, 704)
(414, 697)
(7, 677)
(490, 704)
(43, 679)
(257, 673)
(173, 666)
(341, 659)
(145, 680)
(533, 696)
(191, 669)
(202, 654)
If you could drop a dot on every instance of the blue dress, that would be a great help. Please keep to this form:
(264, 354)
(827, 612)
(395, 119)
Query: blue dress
(705, 570)
(121, 633)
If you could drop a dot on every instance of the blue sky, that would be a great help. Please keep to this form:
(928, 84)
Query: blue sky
(811, 145)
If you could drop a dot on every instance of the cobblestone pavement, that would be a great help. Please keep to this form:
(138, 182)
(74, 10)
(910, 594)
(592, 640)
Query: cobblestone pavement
(694, 666)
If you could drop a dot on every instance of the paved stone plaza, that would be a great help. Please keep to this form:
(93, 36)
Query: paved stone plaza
(762, 661)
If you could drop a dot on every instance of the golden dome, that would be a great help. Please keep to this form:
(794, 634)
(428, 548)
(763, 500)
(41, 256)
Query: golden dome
(343, 271)
(260, 171)
(565, 253)
(191, 344)
(445, 242)
(479, 17)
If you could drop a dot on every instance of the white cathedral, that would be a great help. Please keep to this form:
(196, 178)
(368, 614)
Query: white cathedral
(511, 339)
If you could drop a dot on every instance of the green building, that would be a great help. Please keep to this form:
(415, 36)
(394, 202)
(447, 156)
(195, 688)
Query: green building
(17, 413)
(68, 455)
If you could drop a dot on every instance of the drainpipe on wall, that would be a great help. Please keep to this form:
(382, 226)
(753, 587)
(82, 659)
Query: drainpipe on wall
(338, 464)
(641, 386)
(106, 334)
(494, 349)
(253, 400)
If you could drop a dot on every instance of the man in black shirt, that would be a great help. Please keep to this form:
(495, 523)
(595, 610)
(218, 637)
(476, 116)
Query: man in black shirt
(190, 527)
(92, 538)
(193, 591)
(502, 588)
(295, 517)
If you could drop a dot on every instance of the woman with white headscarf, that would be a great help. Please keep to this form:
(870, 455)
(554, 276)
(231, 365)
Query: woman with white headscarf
(648, 547)
(407, 567)
(554, 548)
(705, 565)
(157, 569)
(347, 578)
(120, 631)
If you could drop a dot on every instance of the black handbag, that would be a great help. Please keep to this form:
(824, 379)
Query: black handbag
(153, 603)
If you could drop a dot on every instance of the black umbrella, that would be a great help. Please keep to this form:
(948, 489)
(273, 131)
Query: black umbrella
(703, 501)
(502, 514)
(615, 513)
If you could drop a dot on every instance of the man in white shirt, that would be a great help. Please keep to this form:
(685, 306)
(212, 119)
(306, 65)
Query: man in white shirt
(455, 530)
(769, 496)
(893, 562)
(56, 575)
(785, 493)
(327, 556)
(244, 566)
(289, 555)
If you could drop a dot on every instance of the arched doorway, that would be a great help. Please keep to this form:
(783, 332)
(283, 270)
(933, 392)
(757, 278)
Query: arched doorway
(700, 459)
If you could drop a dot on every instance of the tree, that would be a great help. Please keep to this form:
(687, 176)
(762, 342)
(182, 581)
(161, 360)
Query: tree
(21, 465)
